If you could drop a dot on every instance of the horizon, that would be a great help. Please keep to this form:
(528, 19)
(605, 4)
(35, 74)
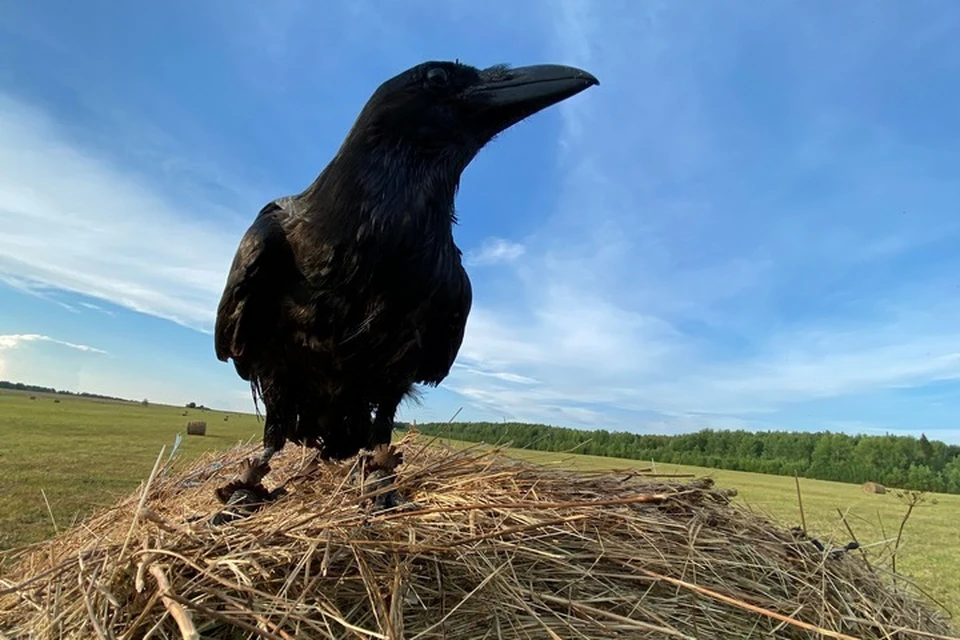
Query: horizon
(25, 387)
(748, 225)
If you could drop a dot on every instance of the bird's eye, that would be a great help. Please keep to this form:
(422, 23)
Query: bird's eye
(437, 77)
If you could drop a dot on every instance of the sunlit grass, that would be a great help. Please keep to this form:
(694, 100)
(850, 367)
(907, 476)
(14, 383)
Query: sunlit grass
(84, 453)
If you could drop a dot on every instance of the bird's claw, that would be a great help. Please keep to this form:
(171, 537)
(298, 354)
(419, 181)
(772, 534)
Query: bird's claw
(246, 495)
(378, 473)
(251, 474)
(385, 457)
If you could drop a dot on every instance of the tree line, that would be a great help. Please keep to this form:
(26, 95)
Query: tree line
(904, 462)
(35, 388)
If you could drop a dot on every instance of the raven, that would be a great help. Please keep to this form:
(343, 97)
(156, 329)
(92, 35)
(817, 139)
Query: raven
(344, 297)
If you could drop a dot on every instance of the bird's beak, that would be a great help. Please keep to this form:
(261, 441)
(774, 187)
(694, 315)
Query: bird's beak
(506, 96)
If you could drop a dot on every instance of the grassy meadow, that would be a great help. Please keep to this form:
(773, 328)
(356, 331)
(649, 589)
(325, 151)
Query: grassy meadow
(83, 453)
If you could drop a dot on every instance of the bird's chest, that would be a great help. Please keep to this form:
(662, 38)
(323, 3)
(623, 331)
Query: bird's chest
(416, 279)
(383, 267)
(410, 252)
(386, 287)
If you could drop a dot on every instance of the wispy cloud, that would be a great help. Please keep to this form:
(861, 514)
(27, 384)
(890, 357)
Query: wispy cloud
(495, 251)
(73, 221)
(499, 375)
(12, 341)
(95, 307)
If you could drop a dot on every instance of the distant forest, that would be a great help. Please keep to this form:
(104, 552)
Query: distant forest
(903, 462)
(19, 386)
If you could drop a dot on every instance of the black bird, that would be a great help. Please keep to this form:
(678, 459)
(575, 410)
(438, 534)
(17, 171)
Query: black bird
(341, 299)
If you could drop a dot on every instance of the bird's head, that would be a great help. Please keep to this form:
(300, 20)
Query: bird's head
(452, 110)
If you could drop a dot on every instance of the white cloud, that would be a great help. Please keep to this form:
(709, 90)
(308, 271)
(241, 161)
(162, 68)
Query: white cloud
(495, 251)
(687, 387)
(72, 221)
(96, 307)
(499, 375)
(11, 342)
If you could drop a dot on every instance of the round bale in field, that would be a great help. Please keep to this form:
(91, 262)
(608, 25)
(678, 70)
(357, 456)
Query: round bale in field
(196, 428)
(874, 487)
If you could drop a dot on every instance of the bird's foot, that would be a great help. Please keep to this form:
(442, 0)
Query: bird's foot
(384, 456)
(246, 495)
(379, 473)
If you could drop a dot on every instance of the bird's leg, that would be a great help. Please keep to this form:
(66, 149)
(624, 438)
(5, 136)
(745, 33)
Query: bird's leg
(382, 429)
(269, 451)
(384, 458)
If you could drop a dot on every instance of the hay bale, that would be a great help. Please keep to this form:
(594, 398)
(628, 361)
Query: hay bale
(197, 428)
(493, 548)
(874, 487)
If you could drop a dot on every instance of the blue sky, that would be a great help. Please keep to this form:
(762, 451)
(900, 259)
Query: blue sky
(752, 222)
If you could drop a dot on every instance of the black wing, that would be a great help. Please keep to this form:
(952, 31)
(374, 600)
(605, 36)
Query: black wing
(264, 270)
(443, 333)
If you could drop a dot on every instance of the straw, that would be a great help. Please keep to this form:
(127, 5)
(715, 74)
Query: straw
(489, 548)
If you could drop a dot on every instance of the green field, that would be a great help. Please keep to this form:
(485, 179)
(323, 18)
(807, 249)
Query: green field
(83, 453)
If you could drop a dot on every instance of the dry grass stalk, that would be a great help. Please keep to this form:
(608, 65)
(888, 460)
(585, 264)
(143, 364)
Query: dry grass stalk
(180, 615)
(493, 548)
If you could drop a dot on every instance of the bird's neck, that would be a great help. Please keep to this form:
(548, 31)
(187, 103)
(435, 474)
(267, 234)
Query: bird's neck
(392, 189)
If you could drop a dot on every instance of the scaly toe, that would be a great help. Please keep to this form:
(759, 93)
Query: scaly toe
(241, 504)
(393, 500)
